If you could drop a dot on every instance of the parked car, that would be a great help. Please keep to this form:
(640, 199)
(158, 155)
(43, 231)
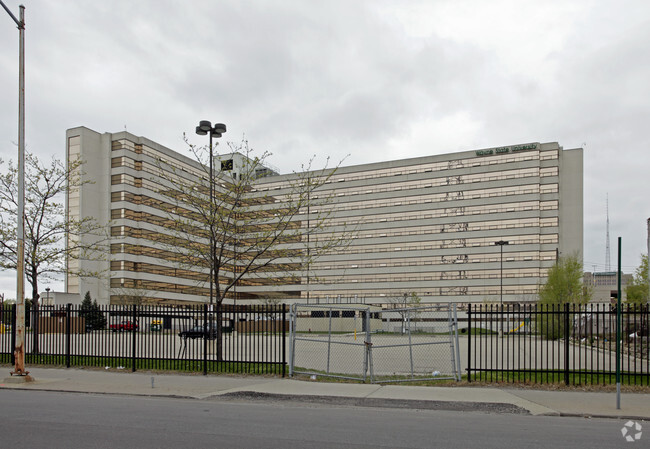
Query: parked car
(124, 326)
(199, 331)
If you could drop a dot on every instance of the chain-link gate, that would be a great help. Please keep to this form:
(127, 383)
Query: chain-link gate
(361, 342)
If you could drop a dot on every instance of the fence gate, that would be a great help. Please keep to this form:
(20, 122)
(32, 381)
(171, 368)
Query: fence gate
(365, 342)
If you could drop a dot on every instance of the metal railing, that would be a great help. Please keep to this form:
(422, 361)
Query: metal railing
(574, 344)
(528, 343)
(245, 339)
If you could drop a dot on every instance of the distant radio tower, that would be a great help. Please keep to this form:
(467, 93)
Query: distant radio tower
(608, 265)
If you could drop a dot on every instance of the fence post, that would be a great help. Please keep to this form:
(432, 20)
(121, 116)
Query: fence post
(135, 333)
(469, 343)
(329, 339)
(567, 333)
(68, 334)
(284, 339)
(369, 346)
(457, 355)
(13, 334)
(206, 328)
(292, 337)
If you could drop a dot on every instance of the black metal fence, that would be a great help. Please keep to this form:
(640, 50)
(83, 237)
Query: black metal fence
(563, 343)
(528, 343)
(242, 339)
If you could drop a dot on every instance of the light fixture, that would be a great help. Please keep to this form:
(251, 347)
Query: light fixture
(205, 127)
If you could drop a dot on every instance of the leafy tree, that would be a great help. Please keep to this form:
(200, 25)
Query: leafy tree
(637, 291)
(92, 313)
(564, 283)
(563, 286)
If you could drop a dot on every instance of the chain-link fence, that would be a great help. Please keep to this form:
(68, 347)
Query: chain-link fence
(365, 342)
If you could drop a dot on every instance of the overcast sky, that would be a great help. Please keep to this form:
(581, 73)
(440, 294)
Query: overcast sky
(371, 80)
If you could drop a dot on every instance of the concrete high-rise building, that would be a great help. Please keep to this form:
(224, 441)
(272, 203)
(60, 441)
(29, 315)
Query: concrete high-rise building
(426, 225)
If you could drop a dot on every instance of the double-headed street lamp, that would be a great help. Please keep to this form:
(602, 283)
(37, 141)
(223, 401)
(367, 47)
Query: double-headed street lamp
(501, 244)
(216, 131)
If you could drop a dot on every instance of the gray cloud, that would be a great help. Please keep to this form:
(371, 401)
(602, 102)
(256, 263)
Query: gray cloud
(374, 80)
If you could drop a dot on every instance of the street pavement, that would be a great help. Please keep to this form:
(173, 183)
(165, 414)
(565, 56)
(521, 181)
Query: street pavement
(533, 401)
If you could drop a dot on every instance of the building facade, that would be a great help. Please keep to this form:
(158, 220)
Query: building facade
(604, 285)
(425, 225)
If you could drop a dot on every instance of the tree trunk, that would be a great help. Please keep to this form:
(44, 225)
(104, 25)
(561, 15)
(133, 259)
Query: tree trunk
(219, 332)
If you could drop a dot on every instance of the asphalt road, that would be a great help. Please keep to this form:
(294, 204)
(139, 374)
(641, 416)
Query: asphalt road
(39, 419)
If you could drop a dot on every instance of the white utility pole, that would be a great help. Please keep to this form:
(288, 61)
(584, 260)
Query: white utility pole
(19, 350)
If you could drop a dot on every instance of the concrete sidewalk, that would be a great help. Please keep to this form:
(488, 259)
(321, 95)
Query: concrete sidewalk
(535, 402)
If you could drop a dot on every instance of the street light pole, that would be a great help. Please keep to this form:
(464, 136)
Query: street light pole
(501, 244)
(19, 350)
(205, 127)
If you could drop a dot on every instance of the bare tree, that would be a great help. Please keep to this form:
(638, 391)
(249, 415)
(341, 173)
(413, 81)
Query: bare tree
(253, 232)
(129, 296)
(46, 223)
(51, 236)
(403, 302)
(236, 231)
(270, 303)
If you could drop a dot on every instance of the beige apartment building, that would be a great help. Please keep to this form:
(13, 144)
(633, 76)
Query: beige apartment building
(426, 225)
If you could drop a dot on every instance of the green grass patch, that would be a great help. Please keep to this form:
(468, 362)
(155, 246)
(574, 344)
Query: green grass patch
(478, 331)
(121, 363)
(575, 378)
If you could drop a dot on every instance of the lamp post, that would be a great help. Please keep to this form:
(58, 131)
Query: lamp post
(47, 294)
(205, 127)
(235, 269)
(501, 244)
(19, 350)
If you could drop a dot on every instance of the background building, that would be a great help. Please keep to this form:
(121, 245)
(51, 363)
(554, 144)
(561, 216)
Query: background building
(429, 225)
(426, 225)
(124, 170)
(605, 285)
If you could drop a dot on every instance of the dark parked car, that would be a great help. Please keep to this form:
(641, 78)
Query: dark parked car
(198, 332)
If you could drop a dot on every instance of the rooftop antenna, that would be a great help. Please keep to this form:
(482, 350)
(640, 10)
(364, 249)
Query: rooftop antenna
(608, 264)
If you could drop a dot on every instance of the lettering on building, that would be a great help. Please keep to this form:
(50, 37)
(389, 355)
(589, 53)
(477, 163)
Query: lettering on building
(505, 150)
